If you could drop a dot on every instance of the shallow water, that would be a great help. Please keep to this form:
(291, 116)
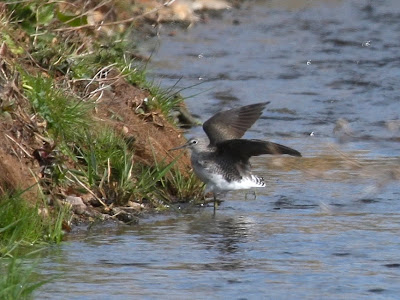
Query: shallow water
(328, 225)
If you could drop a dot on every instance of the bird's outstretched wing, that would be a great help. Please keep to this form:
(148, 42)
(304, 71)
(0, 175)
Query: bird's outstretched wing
(242, 149)
(233, 123)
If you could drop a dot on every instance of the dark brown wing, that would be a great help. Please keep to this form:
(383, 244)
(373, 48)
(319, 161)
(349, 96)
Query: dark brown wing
(233, 123)
(243, 149)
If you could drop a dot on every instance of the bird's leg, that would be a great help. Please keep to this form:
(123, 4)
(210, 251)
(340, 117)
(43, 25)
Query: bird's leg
(215, 202)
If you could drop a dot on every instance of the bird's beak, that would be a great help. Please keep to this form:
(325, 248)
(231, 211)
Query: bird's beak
(180, 147)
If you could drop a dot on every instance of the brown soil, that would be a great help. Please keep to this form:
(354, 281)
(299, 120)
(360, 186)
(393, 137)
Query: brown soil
(151, 133)
(19, 136)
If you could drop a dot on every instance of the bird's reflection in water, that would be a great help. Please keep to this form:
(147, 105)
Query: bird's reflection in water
(224, 235)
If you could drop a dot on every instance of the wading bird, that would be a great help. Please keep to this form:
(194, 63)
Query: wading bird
(222, 162)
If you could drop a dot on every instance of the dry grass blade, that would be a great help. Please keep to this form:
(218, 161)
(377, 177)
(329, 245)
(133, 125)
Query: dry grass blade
(87, 189)
(19, 145)
(129, 20)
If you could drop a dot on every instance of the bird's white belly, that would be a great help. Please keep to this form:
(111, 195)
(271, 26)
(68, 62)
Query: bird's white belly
(217, 183)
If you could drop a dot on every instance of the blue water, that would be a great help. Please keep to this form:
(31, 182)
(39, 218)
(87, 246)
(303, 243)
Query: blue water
(328, 225)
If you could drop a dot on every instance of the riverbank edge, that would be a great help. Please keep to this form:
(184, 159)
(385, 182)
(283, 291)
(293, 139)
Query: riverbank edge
(71, 87)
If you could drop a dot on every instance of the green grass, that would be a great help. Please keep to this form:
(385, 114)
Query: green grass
(109, 169)
(64, 114)
(18, 281)
(149, 183)
(22, 230)
(106, 164)
(21, 225)
(166, 100)
(185, 188)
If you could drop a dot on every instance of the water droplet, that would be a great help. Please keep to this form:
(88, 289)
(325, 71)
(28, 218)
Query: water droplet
(201, 78)
(308, 62)
(312, 133)
(366, 44)
(200, 55)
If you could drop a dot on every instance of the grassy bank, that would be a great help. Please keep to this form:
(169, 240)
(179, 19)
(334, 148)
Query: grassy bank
(79, 117)
(85, 136)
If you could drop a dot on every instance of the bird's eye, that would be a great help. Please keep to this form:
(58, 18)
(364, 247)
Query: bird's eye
(194, 142)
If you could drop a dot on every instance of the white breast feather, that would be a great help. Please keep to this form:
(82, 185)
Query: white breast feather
(217, 182)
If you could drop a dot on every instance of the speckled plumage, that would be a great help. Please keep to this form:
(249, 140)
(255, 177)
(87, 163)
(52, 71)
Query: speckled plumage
(222, 171)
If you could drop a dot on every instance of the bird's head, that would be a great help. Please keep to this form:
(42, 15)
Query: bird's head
(194, 144)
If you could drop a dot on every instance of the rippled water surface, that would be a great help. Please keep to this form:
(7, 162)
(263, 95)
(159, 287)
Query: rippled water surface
(328, 225)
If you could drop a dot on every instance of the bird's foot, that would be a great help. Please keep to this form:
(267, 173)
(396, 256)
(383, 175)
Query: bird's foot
(250, 195)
